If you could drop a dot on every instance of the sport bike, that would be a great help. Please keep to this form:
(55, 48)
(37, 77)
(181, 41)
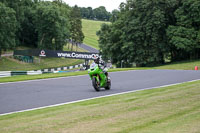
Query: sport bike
(99, 78)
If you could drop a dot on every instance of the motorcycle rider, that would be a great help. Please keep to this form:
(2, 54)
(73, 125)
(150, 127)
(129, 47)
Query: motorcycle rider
(96, 60)
(101, 65)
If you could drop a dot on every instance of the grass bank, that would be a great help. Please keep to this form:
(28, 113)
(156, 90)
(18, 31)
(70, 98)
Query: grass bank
(11, 64)
(171, 109)
(90, 27)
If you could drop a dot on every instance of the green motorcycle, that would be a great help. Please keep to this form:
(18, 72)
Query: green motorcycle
(99, 78)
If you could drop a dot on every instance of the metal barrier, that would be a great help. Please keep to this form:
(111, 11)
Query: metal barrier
(15, 73)
(5, 73)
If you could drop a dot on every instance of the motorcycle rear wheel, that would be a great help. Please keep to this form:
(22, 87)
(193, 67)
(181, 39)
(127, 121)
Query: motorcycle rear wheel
(108, 85)
(95, 84)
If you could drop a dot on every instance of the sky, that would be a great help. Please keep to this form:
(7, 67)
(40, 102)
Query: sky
(109, 4)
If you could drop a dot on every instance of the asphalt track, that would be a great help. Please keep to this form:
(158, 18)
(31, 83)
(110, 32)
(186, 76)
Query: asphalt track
(20, 96)
(88, 48)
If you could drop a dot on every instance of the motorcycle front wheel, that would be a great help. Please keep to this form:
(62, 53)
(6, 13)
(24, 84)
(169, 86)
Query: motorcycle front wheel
(95, 84)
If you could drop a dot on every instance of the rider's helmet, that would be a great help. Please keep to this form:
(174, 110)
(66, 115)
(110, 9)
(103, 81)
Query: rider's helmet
(96, 60)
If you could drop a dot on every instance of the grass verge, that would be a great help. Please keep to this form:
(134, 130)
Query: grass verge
(183, 65)
(41, 76)
(170, 109)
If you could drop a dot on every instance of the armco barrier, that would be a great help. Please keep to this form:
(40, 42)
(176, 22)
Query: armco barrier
(5, 73)
(34, 72)
(13, 73)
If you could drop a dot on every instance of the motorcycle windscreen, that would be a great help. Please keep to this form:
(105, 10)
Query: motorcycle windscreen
(93, 65)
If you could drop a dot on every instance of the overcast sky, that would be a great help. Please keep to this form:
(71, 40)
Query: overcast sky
(109, 4)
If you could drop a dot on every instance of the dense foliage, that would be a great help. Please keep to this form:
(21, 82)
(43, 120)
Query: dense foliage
(51, 26)
(149, 32)
(7, 27)
(77, 35)
(37, 23)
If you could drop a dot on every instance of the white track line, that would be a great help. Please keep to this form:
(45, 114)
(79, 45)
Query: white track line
(34, 80)
(97, 97)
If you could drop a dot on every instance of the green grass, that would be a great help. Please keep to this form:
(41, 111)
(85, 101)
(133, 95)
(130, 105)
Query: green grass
(90, 27)
(68, 48)
(163, 110)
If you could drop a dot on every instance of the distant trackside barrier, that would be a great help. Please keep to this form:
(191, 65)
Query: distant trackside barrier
(57, 53)
(14, 73)
(42, 71)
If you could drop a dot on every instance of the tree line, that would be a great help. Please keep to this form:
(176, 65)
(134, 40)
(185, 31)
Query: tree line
(99, 13)
(39, 24)
(149, 32)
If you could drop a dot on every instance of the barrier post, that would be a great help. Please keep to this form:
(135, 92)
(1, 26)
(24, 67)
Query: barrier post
(196, 68)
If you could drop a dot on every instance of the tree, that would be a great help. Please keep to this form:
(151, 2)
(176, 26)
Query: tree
(8, 28)
(28, 30)
(51, 26)
(85, 13)
(77, 35)
(17, 5)
(91, 13)
(184, 35)
(104, 40)
(114, 15)
(100, 13)
(25, 34)
(141, 28)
